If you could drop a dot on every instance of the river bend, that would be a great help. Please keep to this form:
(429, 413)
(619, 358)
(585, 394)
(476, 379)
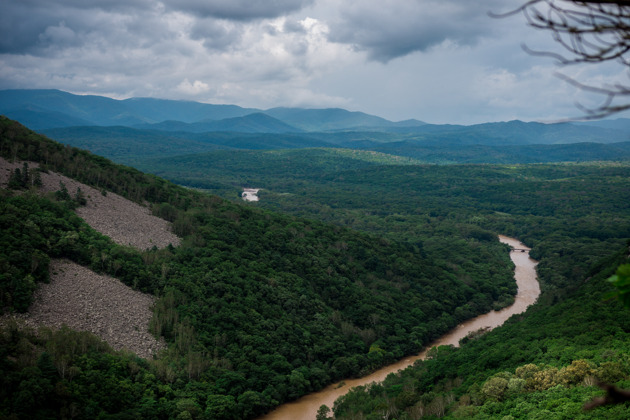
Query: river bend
(306, 407)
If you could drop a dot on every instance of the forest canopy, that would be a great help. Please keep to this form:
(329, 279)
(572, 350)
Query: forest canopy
(262, 303)
(258, 307)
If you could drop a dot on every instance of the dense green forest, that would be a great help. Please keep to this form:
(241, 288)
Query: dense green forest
(351, 260)
(573, 215)
(258, 307)
(129, 145)
(443, 207)
(542, 365)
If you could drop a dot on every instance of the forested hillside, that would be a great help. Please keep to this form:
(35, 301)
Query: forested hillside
(349, 261)
(546, 364)
(575, 216)
(258, 308)
(129, 145)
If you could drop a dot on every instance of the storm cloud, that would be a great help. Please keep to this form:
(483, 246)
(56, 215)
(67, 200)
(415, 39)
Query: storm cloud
(240, 10)
(34, 26)
(395, 28)
(434, 60)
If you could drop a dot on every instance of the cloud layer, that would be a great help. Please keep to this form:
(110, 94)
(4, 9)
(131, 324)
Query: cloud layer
(395, 28)
(238, 10)
(436, 60)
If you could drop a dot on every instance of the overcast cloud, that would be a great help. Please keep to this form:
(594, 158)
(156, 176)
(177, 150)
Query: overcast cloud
(442, 61)
(239, 10)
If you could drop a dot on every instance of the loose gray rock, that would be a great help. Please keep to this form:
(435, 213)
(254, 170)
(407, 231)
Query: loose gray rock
(86, 301)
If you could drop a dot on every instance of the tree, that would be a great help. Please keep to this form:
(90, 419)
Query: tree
(79, 197)
(495, 388)
(220, 407)
(15, 180)
(322, 412)
(592, 31)
(621, 281)
(62, 194)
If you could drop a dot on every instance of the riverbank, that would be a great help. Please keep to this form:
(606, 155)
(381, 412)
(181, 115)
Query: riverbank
(306, 407)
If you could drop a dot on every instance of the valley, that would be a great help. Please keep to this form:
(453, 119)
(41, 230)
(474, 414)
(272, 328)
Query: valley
(528, 291)
(361, 251)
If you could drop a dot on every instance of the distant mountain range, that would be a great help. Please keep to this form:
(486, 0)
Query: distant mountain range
(144, 127)
(44, 109)
(63, 107)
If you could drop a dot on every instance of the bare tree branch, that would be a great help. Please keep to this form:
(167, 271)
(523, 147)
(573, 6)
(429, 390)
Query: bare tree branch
(613, 395)
(593, 31)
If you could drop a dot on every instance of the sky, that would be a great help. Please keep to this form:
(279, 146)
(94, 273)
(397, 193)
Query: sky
(438, 61)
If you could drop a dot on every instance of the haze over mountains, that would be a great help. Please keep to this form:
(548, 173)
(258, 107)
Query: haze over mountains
(126, 128)
(42, 109)
(45, 109)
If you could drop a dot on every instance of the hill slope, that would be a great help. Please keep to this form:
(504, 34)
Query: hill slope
(251, 123)
(543, 364)
(83, 300)
(257, 308)
(329, 119)
(122, 220)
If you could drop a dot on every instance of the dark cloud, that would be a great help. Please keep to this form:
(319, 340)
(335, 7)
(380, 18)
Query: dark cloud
(59, 36)
(21, 25)
(395, 28)
(32, 26)
(216, 34)
(42, 27)
(294, 26)
(105, 5)
(239, 10)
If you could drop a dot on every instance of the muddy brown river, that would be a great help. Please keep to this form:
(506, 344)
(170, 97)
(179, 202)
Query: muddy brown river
(306, 407)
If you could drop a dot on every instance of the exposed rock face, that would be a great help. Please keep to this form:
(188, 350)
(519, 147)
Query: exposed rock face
(102, 305)
(87, 301)
(124, 221)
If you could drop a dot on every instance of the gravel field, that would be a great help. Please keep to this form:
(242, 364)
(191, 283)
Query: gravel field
(87, 301)
(124, 221)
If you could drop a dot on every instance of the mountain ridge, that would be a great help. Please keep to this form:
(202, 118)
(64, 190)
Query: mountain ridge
(49, 109)
(256, 122)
